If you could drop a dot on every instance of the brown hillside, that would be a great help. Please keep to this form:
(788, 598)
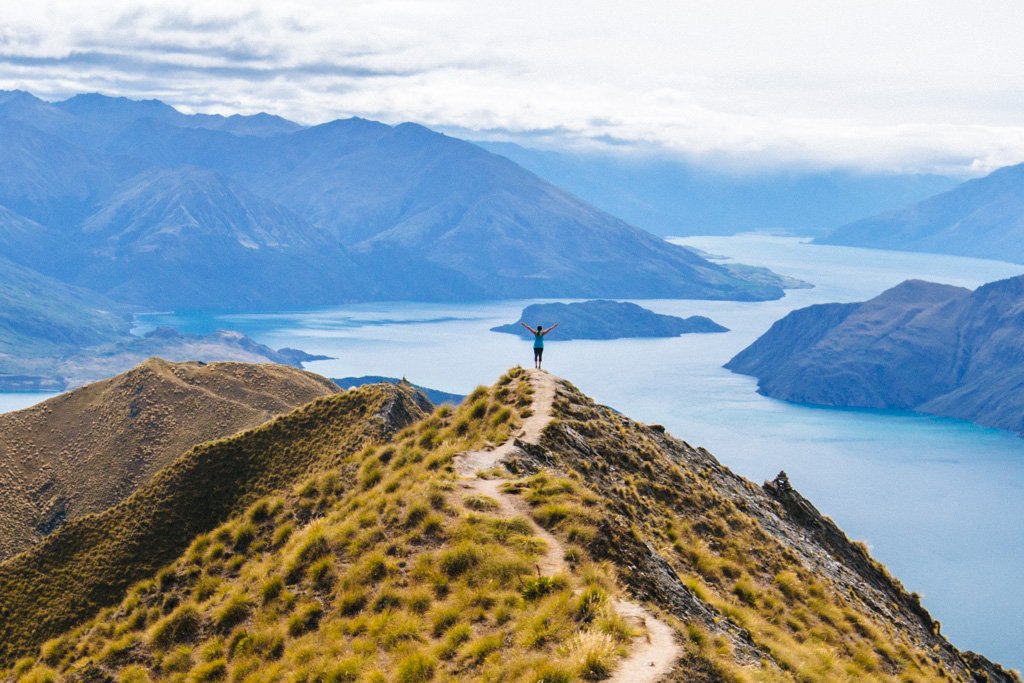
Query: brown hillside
(528, 535)
(88, 449)
(90, 561)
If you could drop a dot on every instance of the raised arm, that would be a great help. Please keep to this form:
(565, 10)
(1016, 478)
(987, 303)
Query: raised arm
(550, 328)
(529, 329)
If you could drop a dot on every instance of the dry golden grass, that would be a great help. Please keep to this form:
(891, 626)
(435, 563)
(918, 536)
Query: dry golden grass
(387, 573)
(85, 451)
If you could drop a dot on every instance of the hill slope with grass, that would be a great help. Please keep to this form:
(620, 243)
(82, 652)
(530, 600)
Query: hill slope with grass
(919, 346)
(85, 451)
(527, 535)
(90, 561)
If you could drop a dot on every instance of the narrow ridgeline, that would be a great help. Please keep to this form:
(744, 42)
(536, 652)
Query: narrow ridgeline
(526, 535)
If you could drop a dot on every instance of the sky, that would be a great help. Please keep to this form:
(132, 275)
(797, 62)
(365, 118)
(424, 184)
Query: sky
(895, 85)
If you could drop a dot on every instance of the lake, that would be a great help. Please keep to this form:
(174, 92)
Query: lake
(939, 501)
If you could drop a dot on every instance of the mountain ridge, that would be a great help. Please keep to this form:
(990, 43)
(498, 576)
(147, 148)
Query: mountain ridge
(919, 346)
(982, 218)
(395, 562)
(86, 450)
(417, 215)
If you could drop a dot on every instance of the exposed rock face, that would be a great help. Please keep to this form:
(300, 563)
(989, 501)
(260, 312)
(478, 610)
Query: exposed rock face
(87, 450)
(606, 320)
(983, 218)
(919, 346)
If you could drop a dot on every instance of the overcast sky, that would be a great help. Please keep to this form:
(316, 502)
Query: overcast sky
(884, 84)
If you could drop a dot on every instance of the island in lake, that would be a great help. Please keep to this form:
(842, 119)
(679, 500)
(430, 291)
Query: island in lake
(602, 319)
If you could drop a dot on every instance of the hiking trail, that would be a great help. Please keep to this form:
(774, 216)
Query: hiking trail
(654, 651)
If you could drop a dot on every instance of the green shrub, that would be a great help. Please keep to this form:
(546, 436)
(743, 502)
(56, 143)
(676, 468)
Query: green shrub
(210, 671)
(233, 612)
(272, 589)
(305, 619)
(351, 602)
(481, 648)
(550, 673)
(135, 673)
(539, 586)
(459, 560)
(309, 549)
(321, 574)
(180, 626)
(445, 620)
(588, 604)
(344, 671)
(415, 668)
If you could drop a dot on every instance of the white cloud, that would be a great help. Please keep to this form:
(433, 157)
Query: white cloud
(907, 84)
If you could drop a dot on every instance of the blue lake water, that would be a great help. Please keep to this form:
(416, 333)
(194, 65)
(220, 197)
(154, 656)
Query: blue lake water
(939, 501)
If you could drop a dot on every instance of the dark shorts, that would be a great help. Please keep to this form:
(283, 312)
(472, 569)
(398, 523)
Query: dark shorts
(538, 353)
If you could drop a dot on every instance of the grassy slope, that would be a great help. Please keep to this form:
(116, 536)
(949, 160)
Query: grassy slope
(382, 569)
(86, 450)
(88, 563)
(758, 590)
(378, 570)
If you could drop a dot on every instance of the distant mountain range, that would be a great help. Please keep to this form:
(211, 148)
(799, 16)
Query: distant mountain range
(919, 346)
(436, 396)
(983, 218)
(42, 316)
(148, 206)
(605, 320)
(670, 196)
(55, 336)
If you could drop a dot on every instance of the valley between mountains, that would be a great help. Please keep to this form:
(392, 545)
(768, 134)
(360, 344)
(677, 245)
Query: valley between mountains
(527, 534)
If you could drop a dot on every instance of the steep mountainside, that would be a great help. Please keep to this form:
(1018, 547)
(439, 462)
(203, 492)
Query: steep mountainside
(192, 238)
(423, 216)
(41, 316)
(89, 562)
(605, 320)
(431, 209)
(87, 450)
(921, 346)
(982, 218)
(51, 180)
(399, 562)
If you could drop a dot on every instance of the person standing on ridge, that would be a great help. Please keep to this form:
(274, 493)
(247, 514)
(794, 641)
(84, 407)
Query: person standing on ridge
(538, 341)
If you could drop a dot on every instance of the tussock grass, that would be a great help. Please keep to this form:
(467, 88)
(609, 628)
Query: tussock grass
(337, 578)
(631, 479)
(92, 561)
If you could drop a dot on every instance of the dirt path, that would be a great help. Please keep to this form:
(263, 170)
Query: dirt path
(655, 651)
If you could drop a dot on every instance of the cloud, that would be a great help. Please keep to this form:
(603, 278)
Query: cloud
(913, 85)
